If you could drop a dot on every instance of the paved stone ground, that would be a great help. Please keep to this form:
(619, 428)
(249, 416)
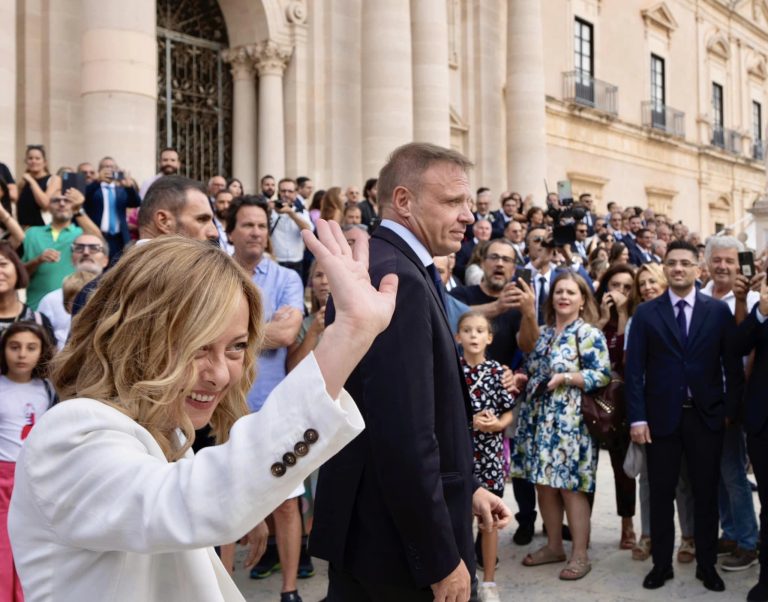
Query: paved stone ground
(615, 577)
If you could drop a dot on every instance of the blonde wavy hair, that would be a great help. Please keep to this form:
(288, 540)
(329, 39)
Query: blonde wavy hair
(133, 344)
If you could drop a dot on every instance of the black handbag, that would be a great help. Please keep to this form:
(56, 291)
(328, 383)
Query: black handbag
(604, 410)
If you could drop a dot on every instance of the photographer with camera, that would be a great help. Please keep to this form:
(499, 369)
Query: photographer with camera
(288, 218)
(106, 202)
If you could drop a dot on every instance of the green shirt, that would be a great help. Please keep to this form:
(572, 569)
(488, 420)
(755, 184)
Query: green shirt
(48, 276)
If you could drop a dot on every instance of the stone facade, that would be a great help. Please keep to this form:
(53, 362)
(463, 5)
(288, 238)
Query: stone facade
(327, 88)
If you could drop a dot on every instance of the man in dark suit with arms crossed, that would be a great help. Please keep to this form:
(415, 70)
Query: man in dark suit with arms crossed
(682, 383)
(394, 510)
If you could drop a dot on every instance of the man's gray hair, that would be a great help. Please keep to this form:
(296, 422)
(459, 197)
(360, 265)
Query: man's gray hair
(716, 243)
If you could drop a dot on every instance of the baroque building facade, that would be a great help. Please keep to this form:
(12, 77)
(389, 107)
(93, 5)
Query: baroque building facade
(648, 103)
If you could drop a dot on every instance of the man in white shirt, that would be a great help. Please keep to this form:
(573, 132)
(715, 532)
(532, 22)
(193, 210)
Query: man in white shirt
(737, 509)
(89, 254)
(288, 218)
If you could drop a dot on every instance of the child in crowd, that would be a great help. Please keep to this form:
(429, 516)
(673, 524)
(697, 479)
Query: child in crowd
(25, 393)
(492, 413)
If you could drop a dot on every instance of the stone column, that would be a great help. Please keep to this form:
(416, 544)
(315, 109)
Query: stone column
(119, 84)
(431, 82)
(243, 116)
(387, 85)
(8, 76)
(526, 102)
(271, 60)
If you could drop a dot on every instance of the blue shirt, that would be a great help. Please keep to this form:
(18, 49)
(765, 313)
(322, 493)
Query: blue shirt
(279, 287)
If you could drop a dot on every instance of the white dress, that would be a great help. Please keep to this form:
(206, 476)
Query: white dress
(98, 513)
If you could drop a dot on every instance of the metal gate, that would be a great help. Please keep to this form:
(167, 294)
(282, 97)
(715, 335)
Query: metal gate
(194, 106)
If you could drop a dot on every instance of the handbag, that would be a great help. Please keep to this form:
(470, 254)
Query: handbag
(603, 409)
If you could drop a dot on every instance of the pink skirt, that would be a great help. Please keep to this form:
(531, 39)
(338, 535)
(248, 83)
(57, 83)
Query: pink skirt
(10, 586)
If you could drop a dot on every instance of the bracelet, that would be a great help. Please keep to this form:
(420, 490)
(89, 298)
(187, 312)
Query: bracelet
(568, 378)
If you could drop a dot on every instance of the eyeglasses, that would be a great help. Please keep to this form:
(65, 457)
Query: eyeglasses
(284, 191)
(538, 239)
(81, 247)
(496, 257)
(60, 200)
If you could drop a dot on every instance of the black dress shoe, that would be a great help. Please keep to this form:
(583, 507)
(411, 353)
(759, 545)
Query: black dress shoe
(658, 577)
(759, 593)
(710, 579)
(524, 534)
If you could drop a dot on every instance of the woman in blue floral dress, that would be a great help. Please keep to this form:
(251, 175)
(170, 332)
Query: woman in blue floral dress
(552, 447)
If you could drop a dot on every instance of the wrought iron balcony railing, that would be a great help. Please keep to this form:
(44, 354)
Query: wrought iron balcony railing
(583, 89)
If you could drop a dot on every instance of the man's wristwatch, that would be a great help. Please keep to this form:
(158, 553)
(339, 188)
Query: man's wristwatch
(77, 214)
(568, 378)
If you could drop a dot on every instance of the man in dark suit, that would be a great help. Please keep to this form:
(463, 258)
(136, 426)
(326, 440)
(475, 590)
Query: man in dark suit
(393, 512)
(752, 334)
(642, 252)
(106, 202)
(682, 384)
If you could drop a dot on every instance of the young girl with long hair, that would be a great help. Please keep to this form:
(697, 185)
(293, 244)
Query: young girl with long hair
(492, 414)
(25, 394)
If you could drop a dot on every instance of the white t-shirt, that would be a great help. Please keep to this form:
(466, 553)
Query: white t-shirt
(21, 405)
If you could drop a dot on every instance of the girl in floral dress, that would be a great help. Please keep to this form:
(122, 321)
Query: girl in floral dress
(552, 447)
(492, 413)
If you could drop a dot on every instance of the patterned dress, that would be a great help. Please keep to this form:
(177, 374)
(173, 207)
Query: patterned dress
(487, 393)
(552, 445)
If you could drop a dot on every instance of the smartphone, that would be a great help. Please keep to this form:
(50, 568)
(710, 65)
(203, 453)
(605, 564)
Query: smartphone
(565, 192)
(118, 175)
(71, 179)
(525, 275)
(747, 264)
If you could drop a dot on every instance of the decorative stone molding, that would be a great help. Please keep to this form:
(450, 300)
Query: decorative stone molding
(718, 46)
(270, 57)
(296, 12)
(660, 17)
(760, 9)
(756, 66)
(240, 60)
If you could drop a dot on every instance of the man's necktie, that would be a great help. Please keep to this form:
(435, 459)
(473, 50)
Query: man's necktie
(437, 281)
(541, 298)
(114, 225)
(682, 324)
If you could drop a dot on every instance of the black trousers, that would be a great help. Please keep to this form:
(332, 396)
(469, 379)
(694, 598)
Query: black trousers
(344, 587)
(702, 448)
(625, 487)
(525, 496)
(757, 446)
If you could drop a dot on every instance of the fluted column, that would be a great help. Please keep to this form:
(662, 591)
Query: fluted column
(271, 60)
(241, 64)
(526, 103)
(119, 83)
(431, 81)
(387, 87)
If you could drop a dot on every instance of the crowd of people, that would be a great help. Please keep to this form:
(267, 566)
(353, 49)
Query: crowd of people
(504, 320)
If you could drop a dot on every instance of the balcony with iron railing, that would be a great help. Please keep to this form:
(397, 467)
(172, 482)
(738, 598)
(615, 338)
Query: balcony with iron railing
(728, 140)
(582, 89)
(663, 118)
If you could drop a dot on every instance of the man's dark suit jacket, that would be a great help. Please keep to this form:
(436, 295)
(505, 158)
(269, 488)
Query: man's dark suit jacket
(659, 370)
(125, 197)
(395, 505)
(751, 334)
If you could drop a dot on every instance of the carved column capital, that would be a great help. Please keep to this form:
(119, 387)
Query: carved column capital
(240, 60)
(271, 58)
